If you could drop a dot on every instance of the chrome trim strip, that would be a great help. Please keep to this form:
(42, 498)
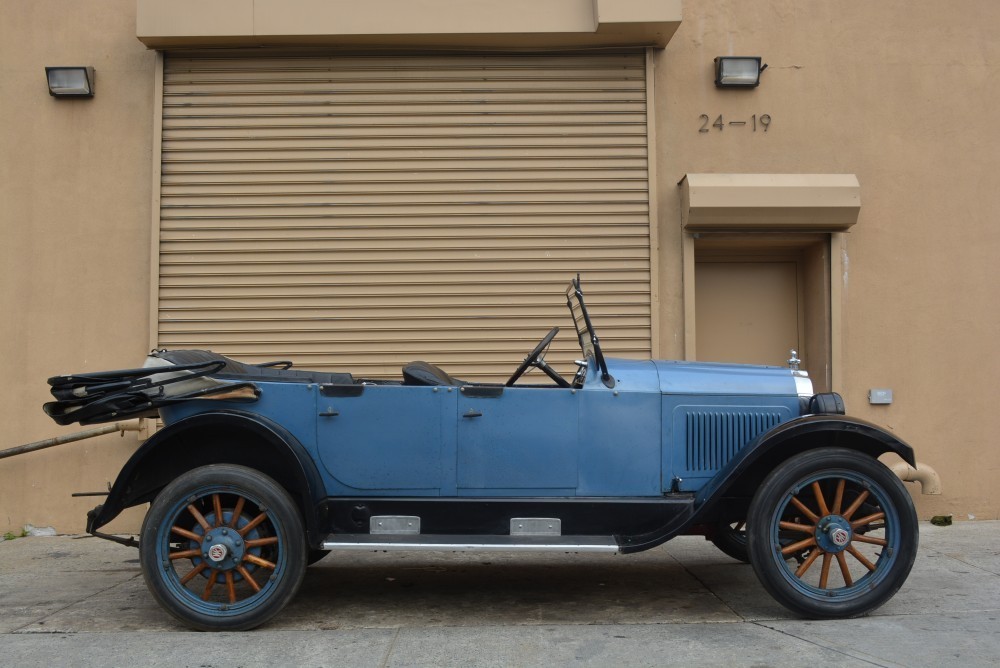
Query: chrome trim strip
(605, 544)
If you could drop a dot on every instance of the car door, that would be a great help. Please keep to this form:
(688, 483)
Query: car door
(380, 439)
(514, 441)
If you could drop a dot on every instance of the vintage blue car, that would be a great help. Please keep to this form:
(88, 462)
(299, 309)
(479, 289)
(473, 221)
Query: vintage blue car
(263, 469)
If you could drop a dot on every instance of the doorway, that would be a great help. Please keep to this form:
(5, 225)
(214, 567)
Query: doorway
(757, 297)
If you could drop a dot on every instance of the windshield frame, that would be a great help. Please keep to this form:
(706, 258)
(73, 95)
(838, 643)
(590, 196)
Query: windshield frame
(585, 334)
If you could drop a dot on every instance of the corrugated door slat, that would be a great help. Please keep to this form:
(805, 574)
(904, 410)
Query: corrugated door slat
(359, 212)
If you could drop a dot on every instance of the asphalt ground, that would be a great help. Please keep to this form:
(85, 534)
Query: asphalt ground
(81, 601)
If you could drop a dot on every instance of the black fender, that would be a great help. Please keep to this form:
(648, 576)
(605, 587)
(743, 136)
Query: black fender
(736, 481)
(217, 437)
(751, 464)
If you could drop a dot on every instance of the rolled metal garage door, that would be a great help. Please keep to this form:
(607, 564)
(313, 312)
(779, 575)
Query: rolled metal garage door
(358, 213)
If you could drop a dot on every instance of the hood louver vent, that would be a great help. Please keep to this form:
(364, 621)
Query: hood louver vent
(714, 436)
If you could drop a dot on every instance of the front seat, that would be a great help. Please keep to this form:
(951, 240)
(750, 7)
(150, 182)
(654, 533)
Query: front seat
(422, 373)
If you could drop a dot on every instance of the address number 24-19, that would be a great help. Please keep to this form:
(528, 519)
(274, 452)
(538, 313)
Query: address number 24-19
(763, 121)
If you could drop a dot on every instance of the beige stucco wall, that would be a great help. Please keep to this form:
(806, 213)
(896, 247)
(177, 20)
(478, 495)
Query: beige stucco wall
(900, 93)
(75, 186)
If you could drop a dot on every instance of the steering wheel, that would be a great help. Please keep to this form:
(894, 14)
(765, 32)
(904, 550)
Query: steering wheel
(535, 358)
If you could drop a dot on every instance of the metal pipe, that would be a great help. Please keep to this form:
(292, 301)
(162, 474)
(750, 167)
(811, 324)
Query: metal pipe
(930, 481)
(69, 438)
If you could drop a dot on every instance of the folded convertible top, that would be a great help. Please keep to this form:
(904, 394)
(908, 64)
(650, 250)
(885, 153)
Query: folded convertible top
(167, 377)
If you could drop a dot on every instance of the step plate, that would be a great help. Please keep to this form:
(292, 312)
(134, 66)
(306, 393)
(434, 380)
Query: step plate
(606, 544)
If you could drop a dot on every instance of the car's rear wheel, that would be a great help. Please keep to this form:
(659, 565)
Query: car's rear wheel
(731, 538)
(832, 533)
(223, 548)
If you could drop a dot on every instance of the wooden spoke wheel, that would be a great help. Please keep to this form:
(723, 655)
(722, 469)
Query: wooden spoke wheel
(223, 548)
(832, 533)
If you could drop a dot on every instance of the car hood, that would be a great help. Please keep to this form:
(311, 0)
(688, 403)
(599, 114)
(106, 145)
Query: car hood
(724, 379)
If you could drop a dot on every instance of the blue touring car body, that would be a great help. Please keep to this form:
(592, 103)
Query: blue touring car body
(619, 458)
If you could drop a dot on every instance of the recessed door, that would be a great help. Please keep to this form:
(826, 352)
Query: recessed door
(747, 312)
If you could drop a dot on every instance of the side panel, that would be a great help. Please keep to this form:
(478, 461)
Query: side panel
(701, 434)
(619, 443)
(290, 405)
(385, 439)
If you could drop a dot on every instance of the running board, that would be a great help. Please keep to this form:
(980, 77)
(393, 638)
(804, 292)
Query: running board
(443, 543)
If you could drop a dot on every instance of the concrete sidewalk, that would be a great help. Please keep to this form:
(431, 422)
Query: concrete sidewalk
(81, 601)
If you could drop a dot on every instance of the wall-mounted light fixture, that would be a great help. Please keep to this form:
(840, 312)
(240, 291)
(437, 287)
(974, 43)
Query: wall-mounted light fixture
(738, 71)
(70, 81)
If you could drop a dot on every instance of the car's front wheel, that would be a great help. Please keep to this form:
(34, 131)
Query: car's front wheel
(832, 533)
(222, 548)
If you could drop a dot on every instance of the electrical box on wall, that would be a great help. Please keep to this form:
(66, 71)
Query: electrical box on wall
(879, 396)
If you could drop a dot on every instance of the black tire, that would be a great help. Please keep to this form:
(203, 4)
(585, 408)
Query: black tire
(845, 507)
(731, 538)
(315, 555)
(222, 548)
